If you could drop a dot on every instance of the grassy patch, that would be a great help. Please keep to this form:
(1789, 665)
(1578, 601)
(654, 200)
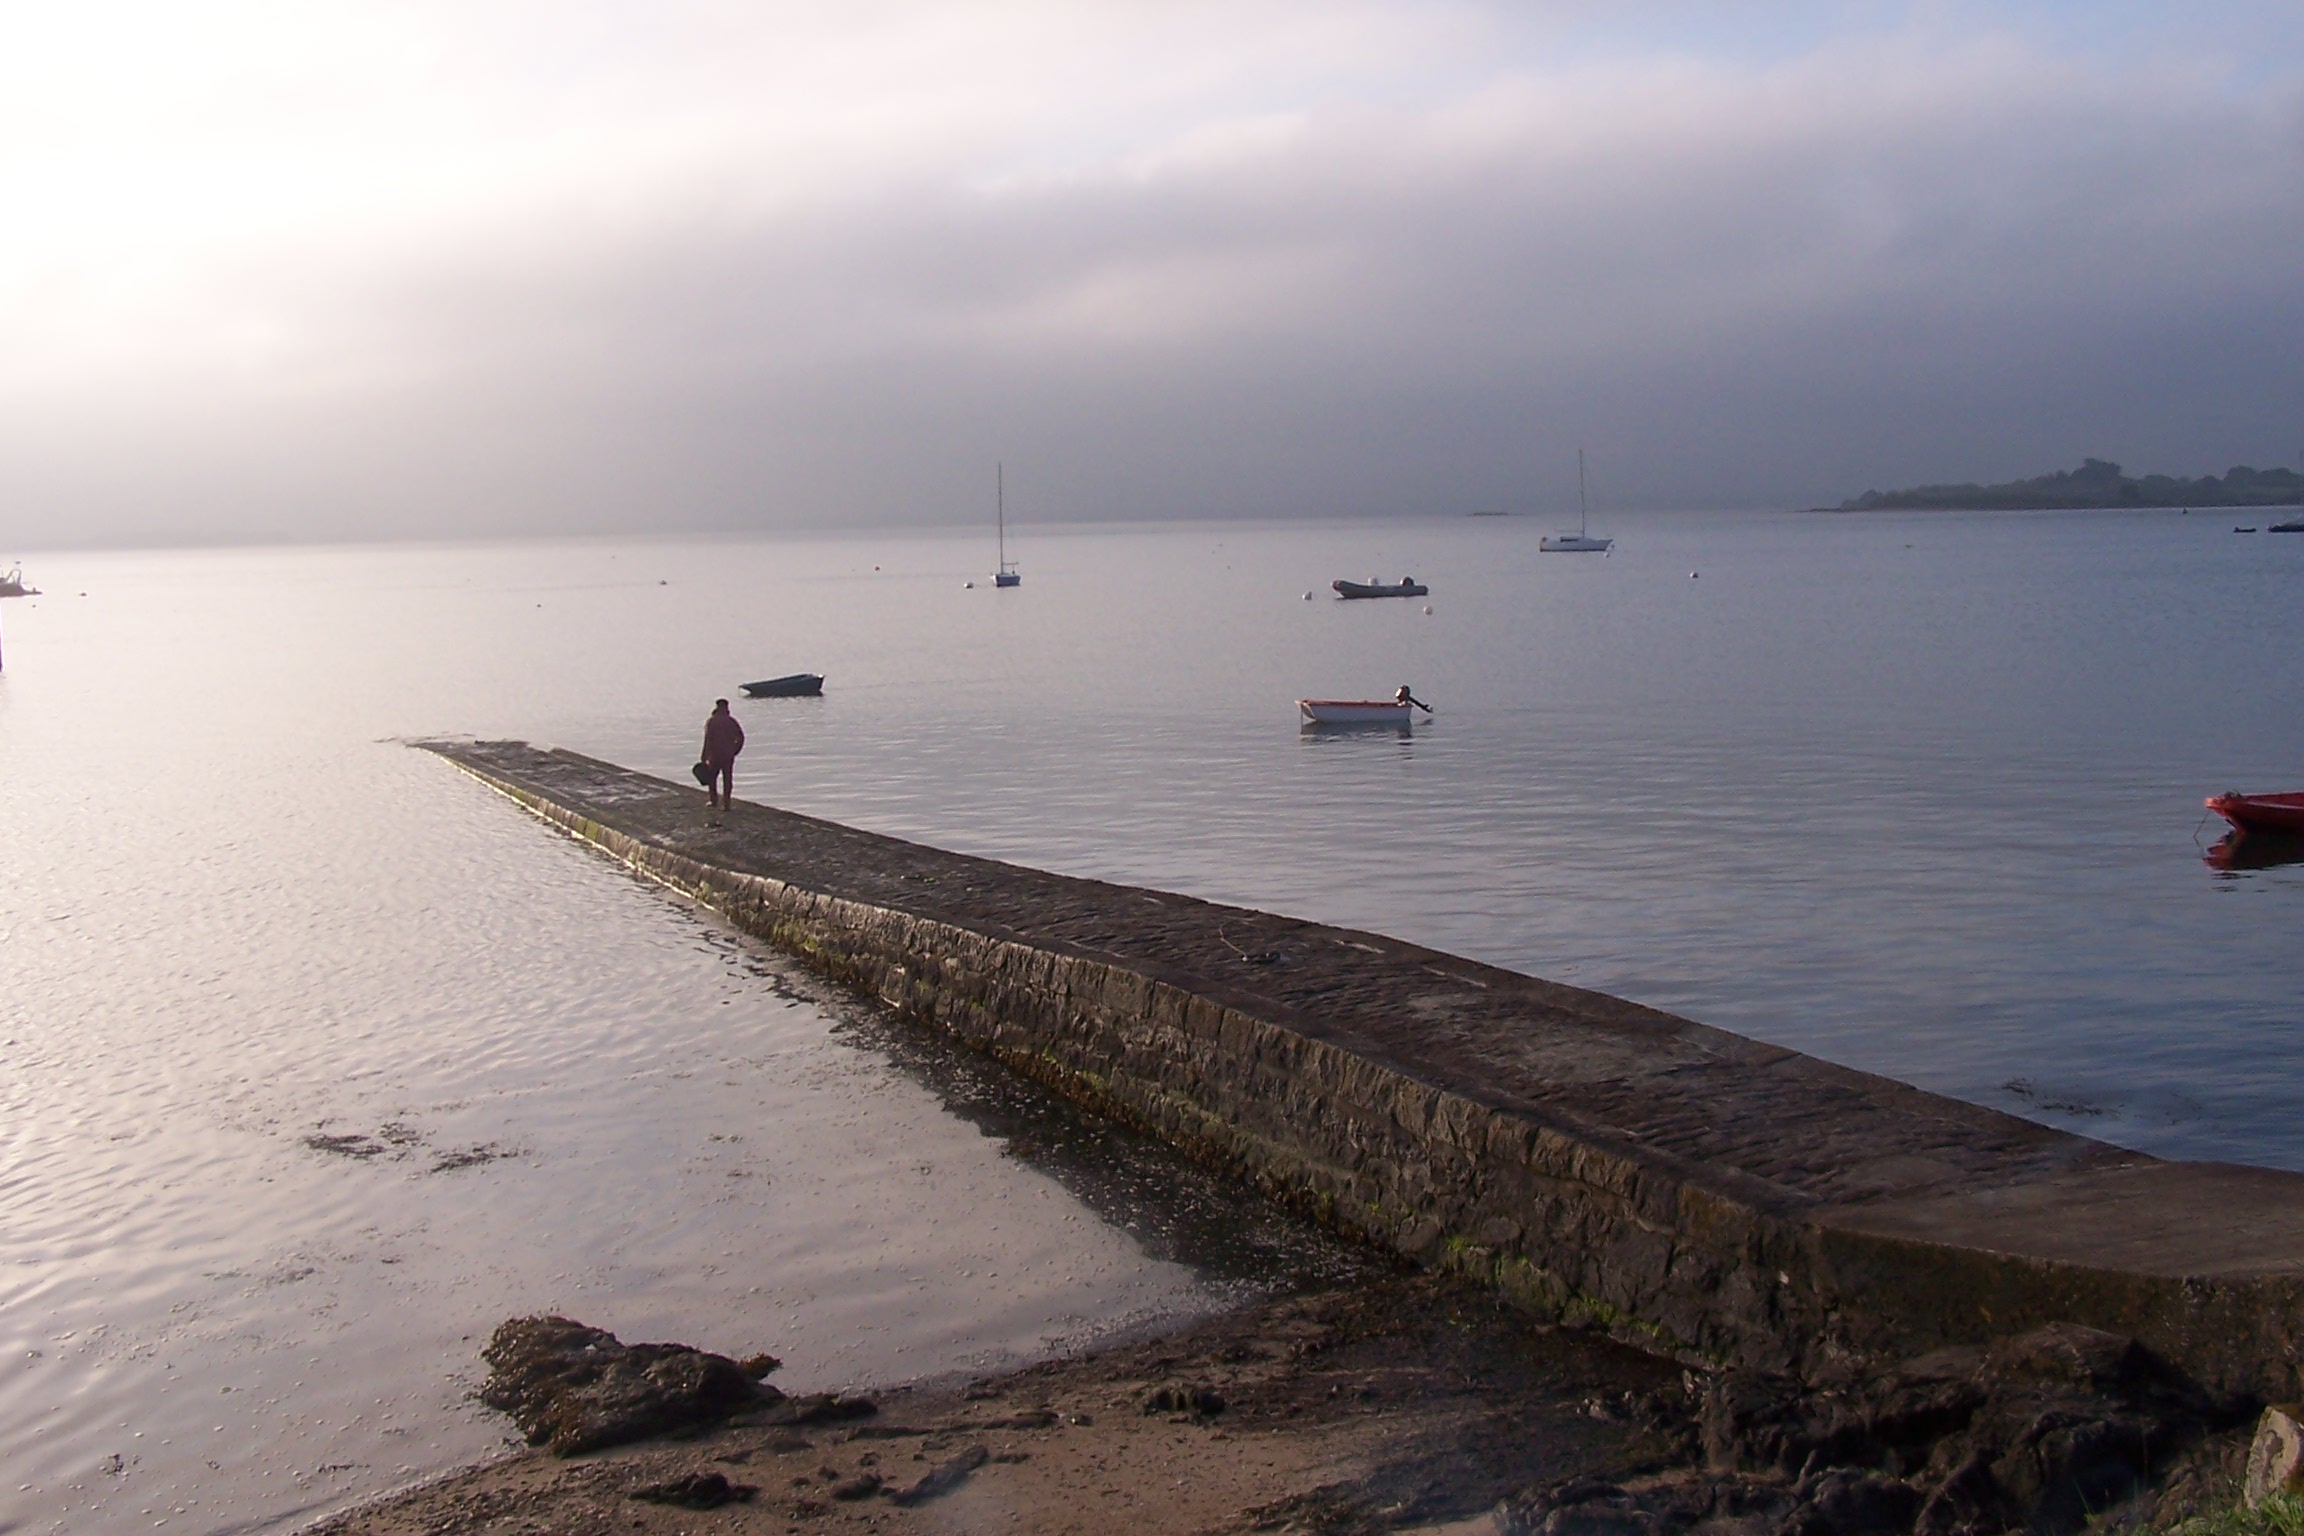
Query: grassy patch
(2280, 1515)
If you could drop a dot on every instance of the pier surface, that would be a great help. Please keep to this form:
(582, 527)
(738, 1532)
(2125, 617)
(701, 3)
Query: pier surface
(1599, 1161)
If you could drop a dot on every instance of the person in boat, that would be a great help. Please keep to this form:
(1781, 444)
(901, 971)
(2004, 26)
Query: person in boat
(1405, 697)
(723, 739)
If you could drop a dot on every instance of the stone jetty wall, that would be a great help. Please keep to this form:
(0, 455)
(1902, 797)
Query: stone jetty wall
(1601, 1163)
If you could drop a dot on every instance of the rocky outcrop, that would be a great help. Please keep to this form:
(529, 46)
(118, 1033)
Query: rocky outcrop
(2039, 1433)
(575, 1389)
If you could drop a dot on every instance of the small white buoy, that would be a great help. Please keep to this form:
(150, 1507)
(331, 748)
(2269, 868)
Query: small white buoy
(968, 586)
(1307, 597)
(1691, 575)
(1427, 610)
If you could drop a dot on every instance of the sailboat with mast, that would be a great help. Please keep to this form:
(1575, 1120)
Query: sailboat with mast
(1579, 542)
(1005, 576)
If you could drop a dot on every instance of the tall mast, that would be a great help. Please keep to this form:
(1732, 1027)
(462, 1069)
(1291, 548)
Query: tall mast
(1000, 506)
(1579, 493)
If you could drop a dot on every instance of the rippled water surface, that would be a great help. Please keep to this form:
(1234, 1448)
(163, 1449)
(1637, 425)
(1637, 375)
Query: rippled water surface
(316, 1059)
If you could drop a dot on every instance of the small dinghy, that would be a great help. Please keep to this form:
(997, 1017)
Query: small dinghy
(1354, 712)
(1396, 710)
(799, 685)
(2261, 813)
(1406, 586)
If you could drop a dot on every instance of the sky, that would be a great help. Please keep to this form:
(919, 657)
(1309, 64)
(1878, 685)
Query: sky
(325, 269)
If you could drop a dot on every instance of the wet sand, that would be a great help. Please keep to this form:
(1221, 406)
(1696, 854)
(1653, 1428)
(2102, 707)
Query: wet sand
(1408, 1403)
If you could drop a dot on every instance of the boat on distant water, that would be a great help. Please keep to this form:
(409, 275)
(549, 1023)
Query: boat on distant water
(1396, 710)
(1580, 542)
(2282, 813)
(1355, 712)
(1006, 575)
(799, 685)
(2294, 527)
(1406, 586)
(12, 584)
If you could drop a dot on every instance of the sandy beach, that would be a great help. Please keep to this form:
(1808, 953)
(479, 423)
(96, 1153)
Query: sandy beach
(1410, 1404)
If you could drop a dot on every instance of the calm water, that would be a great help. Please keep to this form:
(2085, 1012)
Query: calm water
(316, 1060)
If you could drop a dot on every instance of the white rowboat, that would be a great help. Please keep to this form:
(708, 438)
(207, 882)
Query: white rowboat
(1355, 711)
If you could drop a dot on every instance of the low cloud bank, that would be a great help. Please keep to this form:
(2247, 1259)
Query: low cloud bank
(1876, 262)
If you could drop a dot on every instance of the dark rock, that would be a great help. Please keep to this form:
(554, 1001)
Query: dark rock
(1753, 1423)
(1716, 1503)
(698, 1490)
(759, 1367)
(943, 1477)
(1585, 1506)
(576, 1389)
(1597, 1519)
(2038, 1433)
(821, 1408)
(2070, 1355)
(1961, 1499)
(2041, 1433)
(1201, 1402)
(862, 1486)
(1851, 1503)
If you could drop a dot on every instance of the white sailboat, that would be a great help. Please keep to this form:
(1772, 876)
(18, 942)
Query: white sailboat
(1579, 542)
(1006, 576)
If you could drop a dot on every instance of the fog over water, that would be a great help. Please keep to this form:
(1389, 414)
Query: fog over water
(317, 1059)
(347, 270)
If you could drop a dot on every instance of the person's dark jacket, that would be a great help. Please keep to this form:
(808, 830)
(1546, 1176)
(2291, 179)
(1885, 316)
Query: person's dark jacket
(723, 739)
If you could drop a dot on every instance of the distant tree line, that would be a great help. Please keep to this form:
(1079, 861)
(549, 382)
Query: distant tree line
(2096, 483)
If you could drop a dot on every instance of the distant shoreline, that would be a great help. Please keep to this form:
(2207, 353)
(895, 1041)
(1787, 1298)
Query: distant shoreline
(1846, 509)
(2098, 485)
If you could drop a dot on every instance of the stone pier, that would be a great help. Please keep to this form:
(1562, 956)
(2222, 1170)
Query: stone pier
(1600, 1162)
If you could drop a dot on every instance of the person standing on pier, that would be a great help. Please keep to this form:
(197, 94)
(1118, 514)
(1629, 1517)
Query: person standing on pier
(723, 739)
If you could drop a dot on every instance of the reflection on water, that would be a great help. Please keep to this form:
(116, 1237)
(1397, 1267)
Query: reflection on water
(317, 1060)
(1179, 1211)
(1316, 731)
(2240, 851)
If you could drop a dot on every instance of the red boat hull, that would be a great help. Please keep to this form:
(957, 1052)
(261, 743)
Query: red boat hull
(2261, 813)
